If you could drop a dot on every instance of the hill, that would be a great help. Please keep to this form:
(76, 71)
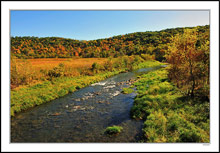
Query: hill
(153, 43)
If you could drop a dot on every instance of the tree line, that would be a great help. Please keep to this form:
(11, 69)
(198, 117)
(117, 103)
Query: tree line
(152, 43)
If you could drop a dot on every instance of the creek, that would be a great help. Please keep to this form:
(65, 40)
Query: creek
(83, 116)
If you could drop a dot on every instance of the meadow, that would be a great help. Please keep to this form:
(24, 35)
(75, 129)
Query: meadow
(32, 71)
(48, 63)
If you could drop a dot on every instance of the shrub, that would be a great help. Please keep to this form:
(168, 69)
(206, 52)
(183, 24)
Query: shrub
(56, 71)
(155, 127)
(125, 61)
(156, 120)
(108, 65)
(136, 112)
(153, 90)
(95, 67)
(174, 122)
(78, 87)
(138, 59)
(21, 72)
(113, 130)
(165, 87)
(187, 135)
(141, 108)
(85, 71)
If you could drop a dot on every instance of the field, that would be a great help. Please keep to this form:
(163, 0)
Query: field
(48, 63)
(32, 71)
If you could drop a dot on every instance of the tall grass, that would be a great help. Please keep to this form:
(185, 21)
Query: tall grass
(32, 71)
(168, 115)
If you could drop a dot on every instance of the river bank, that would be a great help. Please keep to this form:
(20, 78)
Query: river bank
(168, 115)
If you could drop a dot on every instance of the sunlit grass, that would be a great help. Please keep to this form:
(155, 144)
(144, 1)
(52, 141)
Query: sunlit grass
(113, 130)
(168, 115)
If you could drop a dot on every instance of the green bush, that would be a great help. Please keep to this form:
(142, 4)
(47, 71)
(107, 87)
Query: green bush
(187, 135)
(156, 120)
(165, 87)
(56, 71)
(95, 67)
(113, 130)
(175, 122)
(138, 59)
(108, 65)
(155, 127)
(141, 108)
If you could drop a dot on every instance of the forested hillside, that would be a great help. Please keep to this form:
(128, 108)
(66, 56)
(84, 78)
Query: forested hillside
(152, 43)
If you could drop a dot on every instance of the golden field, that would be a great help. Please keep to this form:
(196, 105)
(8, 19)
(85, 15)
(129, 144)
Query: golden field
(32, 71)
(48, 63)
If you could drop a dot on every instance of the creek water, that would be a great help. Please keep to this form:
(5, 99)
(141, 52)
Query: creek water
(83, 116)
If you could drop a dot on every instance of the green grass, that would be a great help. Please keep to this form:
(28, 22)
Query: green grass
(38, 94)
(168, 115)
(113, 130)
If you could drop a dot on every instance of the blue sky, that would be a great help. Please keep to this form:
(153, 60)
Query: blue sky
(90, 25)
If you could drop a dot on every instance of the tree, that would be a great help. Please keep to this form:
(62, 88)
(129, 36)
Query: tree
(187, 61)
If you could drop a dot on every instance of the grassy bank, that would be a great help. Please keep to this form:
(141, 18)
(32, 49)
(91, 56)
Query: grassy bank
(168, 115)
(32, 95)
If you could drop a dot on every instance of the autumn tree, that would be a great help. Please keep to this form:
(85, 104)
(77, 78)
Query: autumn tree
(187, 61)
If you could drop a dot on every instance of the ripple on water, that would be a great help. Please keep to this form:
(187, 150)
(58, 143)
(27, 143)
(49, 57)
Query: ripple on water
(107, 87)
(99, 83)
(115, 93)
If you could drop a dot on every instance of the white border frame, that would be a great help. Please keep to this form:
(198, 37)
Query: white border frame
(31, 5)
